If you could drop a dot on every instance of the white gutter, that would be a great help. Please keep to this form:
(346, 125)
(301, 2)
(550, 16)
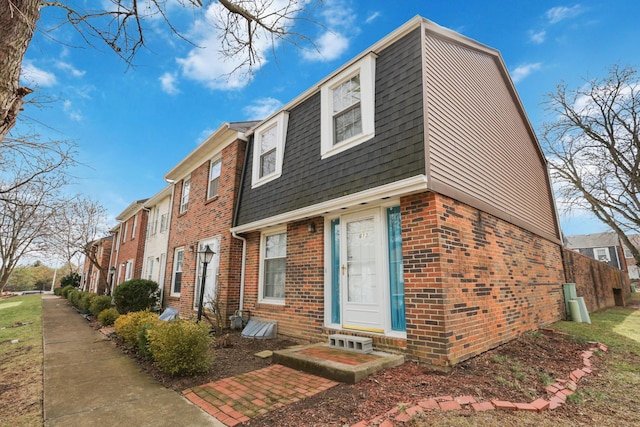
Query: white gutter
(242, 268)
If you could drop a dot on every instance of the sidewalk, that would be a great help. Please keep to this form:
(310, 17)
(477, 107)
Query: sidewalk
(88, 382)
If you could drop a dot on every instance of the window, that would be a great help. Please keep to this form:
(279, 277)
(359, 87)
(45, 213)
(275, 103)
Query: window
(163, 223)
(627, 253)
(126, 230)
(154, 223)
(268, 151)
(347, 107)
(150, 268)
(127, 271)
(214, 178)
(133, 229)
(176, 283)
(273, 266)
(184, 199)
(601, 254)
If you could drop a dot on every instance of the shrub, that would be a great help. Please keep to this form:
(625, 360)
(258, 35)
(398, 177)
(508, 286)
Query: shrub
(128, 325)
(135, 295)
(99, 303)
(71, 279)
(181, 347)
(85, 300)
(74, 297)
(65, 291)
(108, 316)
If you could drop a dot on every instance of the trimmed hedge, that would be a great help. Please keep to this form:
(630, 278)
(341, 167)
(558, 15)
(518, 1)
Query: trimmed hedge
(108, 317)
(135, 295)
(181, 347)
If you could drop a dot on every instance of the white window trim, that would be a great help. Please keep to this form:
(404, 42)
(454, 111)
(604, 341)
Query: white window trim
(173, 272)
(366, 67)
(184, 204)
(219, 177)
(606, 251)
(135, 225)
(282, 122)
(128, 272)
(263, 240)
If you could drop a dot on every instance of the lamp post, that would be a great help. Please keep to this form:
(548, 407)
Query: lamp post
(205, 259)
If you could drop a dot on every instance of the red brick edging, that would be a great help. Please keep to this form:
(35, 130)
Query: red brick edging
(558, 392)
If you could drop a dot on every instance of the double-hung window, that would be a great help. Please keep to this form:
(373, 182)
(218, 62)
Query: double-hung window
(135, 225)
(601, 254)
(150, 268)
(273, 267)
(164, 223)
(348, 107)
(214, 178)
(176, 282)
(128, 270)
(154, 223)
(268, 151)
(184, 198)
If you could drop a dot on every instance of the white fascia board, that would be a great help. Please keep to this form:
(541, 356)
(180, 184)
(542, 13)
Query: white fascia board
(406, 186)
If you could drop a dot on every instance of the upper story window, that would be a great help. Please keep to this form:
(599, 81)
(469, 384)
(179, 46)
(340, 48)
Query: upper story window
(164, 223)
(153, 227)
(135, 225)
(627, 253)
(214, 178)
(184, 198)
(268, 149)
(601, 254)
(348, 107)
(125, 231)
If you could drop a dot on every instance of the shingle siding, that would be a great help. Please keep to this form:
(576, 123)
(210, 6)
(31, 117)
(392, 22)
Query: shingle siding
(395, 153)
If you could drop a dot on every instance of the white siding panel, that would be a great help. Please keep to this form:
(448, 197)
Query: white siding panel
(479, 144)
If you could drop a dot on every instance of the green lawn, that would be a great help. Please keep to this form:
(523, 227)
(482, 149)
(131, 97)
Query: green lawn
(21, 361)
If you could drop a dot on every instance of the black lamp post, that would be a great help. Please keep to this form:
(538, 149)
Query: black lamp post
(205, 259)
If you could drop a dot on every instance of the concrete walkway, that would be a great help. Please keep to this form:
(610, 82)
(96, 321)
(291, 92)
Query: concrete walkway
(88, 382)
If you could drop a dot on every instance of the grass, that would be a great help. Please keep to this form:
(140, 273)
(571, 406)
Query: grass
(21, 361)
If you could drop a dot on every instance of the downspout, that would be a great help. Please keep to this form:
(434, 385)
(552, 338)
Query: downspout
(234, 222)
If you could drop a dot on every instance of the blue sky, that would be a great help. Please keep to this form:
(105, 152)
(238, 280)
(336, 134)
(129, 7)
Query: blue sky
(133, 124)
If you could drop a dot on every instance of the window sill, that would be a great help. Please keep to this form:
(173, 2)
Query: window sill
(212, 199)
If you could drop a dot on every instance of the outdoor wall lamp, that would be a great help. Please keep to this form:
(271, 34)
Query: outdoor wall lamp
(205, 258)
(311, 227)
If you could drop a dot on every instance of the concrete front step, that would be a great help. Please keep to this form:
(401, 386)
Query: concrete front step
(336, 364)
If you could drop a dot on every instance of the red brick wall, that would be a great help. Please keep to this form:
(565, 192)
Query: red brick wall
(472, 281)
(133, 248)
(302, 316)
(205, 219)
(599, 283)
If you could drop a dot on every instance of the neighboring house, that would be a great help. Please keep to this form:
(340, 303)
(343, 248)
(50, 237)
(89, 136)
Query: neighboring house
(605, 247)
(130, 238)
(94, 279)
(205, 184)
(403, 198)
(155, 252)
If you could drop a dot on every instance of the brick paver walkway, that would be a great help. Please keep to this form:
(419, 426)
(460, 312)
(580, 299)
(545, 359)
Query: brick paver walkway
(240, 398)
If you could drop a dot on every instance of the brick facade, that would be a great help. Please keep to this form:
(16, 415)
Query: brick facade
(205, 219)
(472, 282)
(132, 245)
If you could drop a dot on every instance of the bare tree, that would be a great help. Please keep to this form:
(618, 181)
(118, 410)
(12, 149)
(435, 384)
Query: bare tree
(80, 223)
(122, 26)
(593, 146)
(26, 222)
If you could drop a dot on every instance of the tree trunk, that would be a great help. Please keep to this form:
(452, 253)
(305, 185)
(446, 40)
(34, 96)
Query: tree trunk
(18, 20)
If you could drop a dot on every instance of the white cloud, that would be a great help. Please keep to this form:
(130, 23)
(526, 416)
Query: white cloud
(337, 14)
(522, 71)
(560, 13)
(168, 83)
(64, 66)
(74, 114)
(538, 37)
(372, 17)
(207, 65)
(262, 108)
(37, 76)
(329, 46)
